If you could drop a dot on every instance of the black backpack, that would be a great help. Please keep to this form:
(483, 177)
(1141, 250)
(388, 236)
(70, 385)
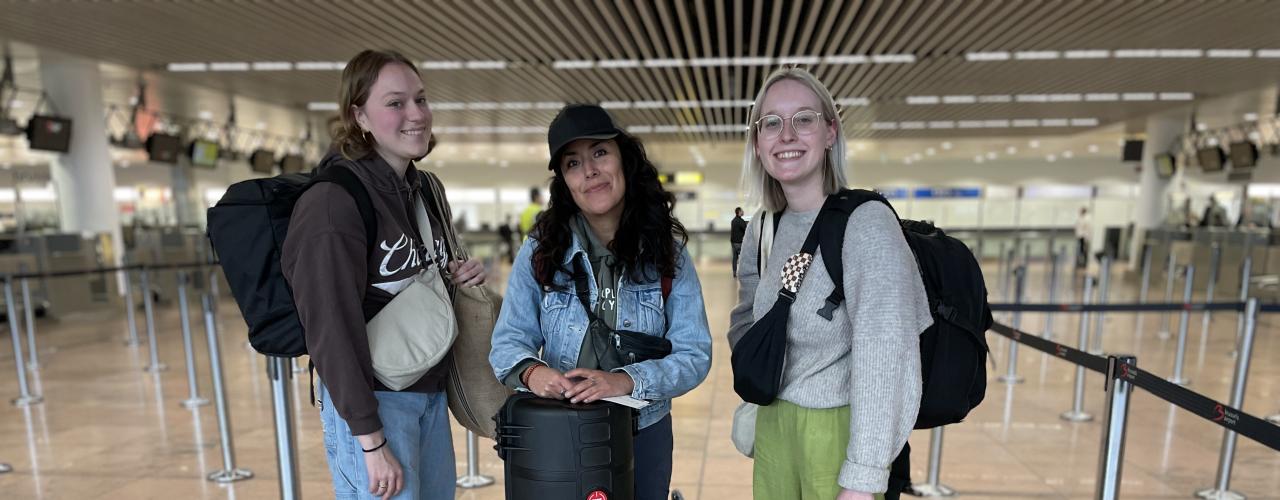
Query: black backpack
(953, 350)
(248, 227)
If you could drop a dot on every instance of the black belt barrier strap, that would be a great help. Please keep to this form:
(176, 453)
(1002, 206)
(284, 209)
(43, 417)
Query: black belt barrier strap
(1233, 419)
(1230, 418)
(1076, 356)
(133, 267)
(1123, 307)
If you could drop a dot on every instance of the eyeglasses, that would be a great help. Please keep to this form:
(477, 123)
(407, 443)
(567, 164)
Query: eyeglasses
(803, 123)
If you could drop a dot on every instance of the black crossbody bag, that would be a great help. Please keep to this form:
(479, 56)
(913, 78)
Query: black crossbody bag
(625, 346)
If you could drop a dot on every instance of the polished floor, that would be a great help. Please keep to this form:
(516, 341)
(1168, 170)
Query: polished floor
(109, 430)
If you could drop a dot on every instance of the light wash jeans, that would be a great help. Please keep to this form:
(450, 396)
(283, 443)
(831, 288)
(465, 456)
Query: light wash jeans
(417, 430)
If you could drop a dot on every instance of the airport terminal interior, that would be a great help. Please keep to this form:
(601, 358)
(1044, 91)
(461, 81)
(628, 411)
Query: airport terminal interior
(1085, 151)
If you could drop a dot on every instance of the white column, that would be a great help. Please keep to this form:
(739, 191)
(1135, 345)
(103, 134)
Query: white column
(84, 178)
(1153, 203)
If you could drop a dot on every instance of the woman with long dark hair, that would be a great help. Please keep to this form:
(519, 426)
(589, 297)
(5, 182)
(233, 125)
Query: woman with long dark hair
(609, 231)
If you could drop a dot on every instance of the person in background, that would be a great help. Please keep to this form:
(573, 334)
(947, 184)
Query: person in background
(737, 229)
(1084, 230)
(506, 237)
(1215, 215)
(610, 225)
(530, 214)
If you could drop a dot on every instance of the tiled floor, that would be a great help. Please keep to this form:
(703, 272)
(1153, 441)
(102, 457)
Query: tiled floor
(109, 430)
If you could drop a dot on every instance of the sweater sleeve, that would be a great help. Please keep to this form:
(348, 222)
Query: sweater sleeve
(742, 316)
(888, 309)
(325, 261)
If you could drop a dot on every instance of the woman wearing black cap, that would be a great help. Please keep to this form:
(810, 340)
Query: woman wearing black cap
(610, 226)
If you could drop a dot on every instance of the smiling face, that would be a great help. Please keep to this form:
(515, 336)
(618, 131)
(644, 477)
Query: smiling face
(788, 157)
(592, 169)
(397, 115)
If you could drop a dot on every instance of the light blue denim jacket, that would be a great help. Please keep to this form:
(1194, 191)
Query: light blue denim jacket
(550, 321)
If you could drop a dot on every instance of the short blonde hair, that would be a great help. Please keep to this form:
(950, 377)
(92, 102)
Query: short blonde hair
(763, 190)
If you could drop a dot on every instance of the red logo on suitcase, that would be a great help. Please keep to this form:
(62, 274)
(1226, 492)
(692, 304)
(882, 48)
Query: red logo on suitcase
(597, 495)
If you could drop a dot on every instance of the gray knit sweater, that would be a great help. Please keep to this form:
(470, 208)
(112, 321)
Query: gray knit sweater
(868, 357)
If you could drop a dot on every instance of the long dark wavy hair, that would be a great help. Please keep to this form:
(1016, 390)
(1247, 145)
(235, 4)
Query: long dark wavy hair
(648, 241)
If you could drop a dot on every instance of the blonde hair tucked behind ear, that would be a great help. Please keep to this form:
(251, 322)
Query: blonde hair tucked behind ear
(763, 190)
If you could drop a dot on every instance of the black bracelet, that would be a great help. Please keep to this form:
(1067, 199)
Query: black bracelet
(376, 448)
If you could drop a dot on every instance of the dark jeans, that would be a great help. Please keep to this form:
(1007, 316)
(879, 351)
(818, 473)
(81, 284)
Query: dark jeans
(1082, 252)
(653, 447)
(737, 250)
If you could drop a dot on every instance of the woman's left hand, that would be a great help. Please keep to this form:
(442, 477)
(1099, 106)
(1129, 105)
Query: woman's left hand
(596, 384)
(467, 274)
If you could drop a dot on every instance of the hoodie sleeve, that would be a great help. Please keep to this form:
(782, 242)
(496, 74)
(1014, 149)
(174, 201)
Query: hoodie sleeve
(325, 261)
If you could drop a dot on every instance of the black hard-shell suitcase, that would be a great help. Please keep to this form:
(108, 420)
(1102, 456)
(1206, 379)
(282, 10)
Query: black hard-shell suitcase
(555, 450)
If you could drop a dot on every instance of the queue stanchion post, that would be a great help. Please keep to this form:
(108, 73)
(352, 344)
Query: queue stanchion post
(229, 473)
(25, 397)
(1221, 489)
(29, 316)
(1054, 259)
(933, 486)
(1011, 376)
(148, 310)
(1006, 261)
(1170, 272)
(194, 401)
(129, 314)
(1215, 262)
(473, 478)
(286, 445)
(1180, 356)
(1077, 413)
(1120, 370)
(296, 366)
(1246, 272)
(1144, 288)
(1099, 321)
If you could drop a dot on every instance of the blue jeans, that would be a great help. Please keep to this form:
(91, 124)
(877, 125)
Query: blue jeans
(417, 430)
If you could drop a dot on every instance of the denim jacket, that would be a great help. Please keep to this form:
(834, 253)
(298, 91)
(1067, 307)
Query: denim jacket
(548, 324)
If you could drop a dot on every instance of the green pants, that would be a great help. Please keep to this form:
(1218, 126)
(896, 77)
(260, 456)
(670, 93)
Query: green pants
(799, 452)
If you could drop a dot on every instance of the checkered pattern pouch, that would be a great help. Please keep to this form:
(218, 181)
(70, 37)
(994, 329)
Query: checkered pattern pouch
(794, 270)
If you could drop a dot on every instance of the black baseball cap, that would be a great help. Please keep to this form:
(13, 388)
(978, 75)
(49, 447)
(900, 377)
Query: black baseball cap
(578, 121)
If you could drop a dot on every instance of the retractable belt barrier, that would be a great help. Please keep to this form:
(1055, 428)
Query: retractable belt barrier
(1219, 413)
(99, 270)
(1130, 307)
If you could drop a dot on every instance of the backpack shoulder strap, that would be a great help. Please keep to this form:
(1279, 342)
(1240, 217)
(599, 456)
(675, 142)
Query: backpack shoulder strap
(344, 177)
(832, 222)
(766, 233)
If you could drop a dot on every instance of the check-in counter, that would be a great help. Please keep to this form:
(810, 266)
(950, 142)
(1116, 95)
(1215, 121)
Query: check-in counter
(167, 246)
(1196, 246)
(60, 296)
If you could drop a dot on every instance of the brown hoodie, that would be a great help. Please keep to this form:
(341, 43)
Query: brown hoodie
(338, 285)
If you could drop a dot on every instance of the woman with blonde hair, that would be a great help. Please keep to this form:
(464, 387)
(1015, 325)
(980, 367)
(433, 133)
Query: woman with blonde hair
(850, 385)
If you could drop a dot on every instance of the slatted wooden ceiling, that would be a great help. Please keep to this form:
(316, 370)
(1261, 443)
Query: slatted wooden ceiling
(532, 35)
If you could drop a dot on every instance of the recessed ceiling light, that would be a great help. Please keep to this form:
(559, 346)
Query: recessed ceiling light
(1034, 143)
(1011, 150)
(930, 151)
(1093, 148)
(1067, 154)
(1036, 55)
(1230, 53)
(1087, 54)
(991, 155)
(946, 145)
(1201, 126)
(986, 56)
(1251, 117)
(1051, 158)
(978, 159)
(187, 67)
(923, 99)
(229, 66)
(444, 65)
